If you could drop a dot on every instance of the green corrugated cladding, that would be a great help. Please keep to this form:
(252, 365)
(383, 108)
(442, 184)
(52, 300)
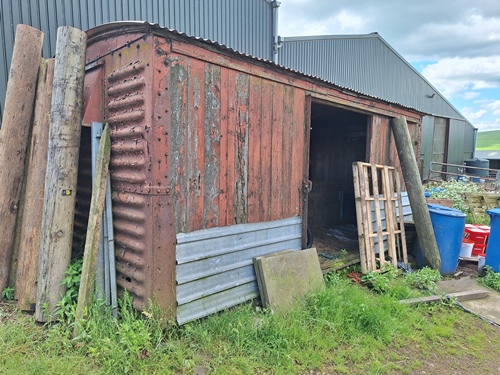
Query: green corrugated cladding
(426, 145)
(462, 141)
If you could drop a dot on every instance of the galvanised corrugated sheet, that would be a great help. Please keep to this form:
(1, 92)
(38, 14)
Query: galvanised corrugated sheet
(426, 145)
(461, 143)
(470, 134)
(365, 63)
(215, 266)
(244, 25)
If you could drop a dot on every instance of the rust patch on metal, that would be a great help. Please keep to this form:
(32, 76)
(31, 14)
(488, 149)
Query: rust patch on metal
(127, 72)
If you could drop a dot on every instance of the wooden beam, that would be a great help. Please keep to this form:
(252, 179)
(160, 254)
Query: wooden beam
(94, 231)
(420, 212)
(460, 296)
(62, 169)
(29, 246)
(14, 135)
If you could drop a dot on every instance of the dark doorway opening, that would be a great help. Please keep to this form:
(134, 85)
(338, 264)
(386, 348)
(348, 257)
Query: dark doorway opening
(338, 138)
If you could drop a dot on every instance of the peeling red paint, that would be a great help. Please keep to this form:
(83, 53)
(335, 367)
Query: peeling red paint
(201, 138)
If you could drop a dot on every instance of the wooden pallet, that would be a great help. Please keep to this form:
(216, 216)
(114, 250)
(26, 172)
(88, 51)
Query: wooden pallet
(377, 188)
(480, 202)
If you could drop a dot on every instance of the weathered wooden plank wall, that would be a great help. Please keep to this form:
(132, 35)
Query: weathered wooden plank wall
(238, 144)
(382, 147)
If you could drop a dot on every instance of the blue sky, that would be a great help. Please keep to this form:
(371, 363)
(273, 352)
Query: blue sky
(454, 44)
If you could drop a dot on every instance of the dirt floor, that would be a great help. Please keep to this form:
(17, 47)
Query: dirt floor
(336, 247)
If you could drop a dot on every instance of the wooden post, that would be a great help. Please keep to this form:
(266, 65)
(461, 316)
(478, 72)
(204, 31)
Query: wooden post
(419, 209)
(14, 135)
(94, 230)
(62, 169)
(29, 246)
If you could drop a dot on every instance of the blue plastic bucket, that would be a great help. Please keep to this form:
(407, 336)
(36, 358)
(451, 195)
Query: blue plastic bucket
(448, 224)
(493, 248)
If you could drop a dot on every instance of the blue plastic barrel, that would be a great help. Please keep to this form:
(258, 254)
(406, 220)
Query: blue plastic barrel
(448, 224)
(493, 248)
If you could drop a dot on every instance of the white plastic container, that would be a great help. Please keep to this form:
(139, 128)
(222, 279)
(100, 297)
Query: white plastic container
(466, 249)
(480, 262)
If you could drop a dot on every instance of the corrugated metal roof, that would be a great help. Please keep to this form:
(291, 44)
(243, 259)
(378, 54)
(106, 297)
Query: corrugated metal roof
(366, 63)
(105, 30)
(246, 25)
(488, 154)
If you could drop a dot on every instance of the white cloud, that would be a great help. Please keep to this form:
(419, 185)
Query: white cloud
(470, 95)
(461, 40)
(343, 22)
(457, 74)
(488, 125)
(471, 115)
(495, 107)
(349, 22)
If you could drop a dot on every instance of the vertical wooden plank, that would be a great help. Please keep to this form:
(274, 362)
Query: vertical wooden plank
(367, 222)
(29, 246)
(14, 135)
(370, 137)
(359, 219)
(376, 201)
(304, 188)
(241, 149)
(390, 213)
(277, 153)
(179, 128)
(254, 144)
(266, 151)
(393, 153)
(298, 142)
(231, 145)
(287, 150)
(397, 180)
(195, 149)
(62, 169)
(212, 157)
(224, 108)
(94, 228)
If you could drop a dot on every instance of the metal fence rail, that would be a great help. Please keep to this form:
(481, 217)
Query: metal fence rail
(490, 182)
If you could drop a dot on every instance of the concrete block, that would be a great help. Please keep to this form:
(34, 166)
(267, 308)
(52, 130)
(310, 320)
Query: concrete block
(287, 276)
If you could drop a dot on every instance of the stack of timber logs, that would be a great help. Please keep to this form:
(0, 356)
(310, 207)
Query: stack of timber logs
(39, 151)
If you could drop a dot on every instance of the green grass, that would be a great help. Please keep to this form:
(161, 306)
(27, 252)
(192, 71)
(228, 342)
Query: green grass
(346, 329)
(488, 140)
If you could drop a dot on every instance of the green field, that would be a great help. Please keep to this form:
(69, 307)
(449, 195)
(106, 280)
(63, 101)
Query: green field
(488, 140)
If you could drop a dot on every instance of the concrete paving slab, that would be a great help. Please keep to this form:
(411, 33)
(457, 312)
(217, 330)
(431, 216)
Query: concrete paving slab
(488, 307)
(257, 264)
(287, 277)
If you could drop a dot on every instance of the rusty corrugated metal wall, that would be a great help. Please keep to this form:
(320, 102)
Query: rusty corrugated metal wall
(142, 209)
